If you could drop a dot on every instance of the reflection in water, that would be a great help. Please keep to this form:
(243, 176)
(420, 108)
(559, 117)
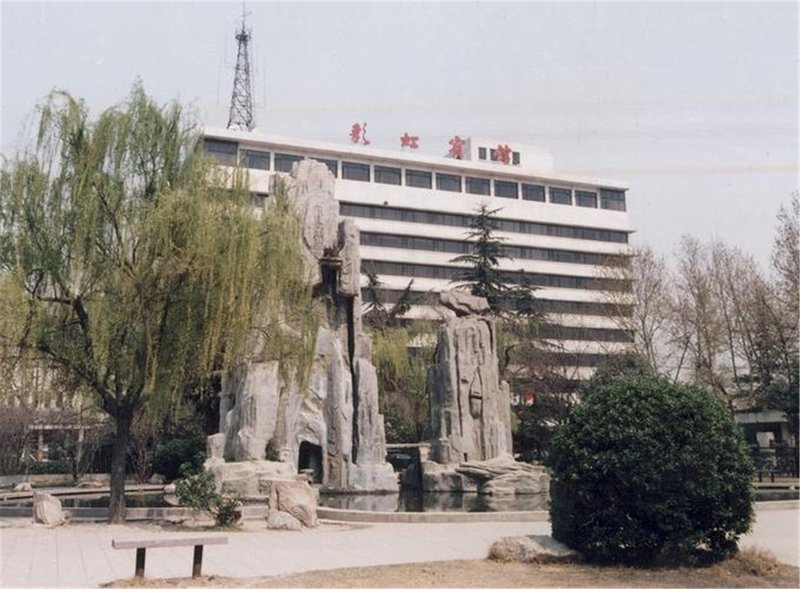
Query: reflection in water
(411, 500)
(99, 500)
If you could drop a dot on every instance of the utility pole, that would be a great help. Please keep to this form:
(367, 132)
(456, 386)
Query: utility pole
(241, 114)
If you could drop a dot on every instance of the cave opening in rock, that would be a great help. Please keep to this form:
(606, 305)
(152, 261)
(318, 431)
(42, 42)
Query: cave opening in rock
(310, 460)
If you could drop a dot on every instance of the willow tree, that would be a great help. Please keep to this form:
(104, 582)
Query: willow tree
(131, 266)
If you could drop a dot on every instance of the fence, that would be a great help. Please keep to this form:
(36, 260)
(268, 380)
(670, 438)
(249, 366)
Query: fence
(775, 461)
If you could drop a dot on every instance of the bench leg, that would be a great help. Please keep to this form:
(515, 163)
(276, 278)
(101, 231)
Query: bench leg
(140, 562)
(197, 561)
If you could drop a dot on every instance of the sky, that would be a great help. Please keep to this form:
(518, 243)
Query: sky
(694, 106)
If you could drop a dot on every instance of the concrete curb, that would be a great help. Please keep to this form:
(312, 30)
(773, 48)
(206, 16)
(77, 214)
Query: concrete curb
(773, 505)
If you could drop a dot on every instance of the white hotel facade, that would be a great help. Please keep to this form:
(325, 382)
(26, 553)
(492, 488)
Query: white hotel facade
(414, 210)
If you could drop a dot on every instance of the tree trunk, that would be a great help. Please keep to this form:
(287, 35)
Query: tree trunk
(119, 455)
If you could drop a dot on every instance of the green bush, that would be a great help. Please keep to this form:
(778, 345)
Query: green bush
(197, 491)
(646, 472)
(50, 467)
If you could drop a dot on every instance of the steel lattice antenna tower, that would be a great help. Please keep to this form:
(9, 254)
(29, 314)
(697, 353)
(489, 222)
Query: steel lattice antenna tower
(241, 115)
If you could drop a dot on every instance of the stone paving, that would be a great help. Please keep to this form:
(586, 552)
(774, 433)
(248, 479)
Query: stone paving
(81, 554)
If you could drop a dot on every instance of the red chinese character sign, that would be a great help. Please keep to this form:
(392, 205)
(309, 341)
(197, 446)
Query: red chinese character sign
(456, 148)
(411, 141)
(358, 133)
(503, 154)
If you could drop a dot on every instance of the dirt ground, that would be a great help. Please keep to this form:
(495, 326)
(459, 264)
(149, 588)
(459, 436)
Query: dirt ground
(748, 569)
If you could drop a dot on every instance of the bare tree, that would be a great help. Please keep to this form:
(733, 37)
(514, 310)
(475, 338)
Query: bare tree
(646, 310)
(786, 254)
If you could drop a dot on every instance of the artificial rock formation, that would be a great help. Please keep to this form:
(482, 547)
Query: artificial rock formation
(471, 447)
(470, 405)
(331, 431)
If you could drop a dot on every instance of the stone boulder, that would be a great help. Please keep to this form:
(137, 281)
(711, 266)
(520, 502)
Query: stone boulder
(156, 479)
(247, 479)
(23, 487)
(505, 476)
(463, 303)
(298, 499)
(47, 510)
(499, 476)
(280, 520)
(530, 549)
(443, 478)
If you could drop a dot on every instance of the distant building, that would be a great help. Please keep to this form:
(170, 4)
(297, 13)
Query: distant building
(414, 211)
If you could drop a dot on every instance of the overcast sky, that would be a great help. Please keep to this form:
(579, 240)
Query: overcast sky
(692, 105)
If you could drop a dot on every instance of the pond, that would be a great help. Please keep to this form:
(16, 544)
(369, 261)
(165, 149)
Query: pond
(99, 500)
(419, 501)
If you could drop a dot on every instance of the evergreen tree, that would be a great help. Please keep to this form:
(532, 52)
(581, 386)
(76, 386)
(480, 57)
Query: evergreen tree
(481, 273)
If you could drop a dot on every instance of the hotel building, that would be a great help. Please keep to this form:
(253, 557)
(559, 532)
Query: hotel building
(414, 210)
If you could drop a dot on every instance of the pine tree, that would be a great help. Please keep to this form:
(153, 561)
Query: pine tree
(482, 274)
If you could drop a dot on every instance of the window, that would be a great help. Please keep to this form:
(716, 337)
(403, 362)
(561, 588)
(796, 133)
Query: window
(448, 182)
(481, 153)
(256, 160)
(333, 166)
(386, 175)
(284, 162)
(515, 158)
(477, 185)
(612, 199)
(388, 213)
(584, 198)
(224, 152)
(561, 196)
(355, 171)
(505, 189)
(533, 192)
(510, 277)
(418, 179)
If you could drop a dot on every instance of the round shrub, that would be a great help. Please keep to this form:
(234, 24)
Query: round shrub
(647, 472)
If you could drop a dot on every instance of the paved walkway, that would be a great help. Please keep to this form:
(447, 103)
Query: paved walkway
(81, 554)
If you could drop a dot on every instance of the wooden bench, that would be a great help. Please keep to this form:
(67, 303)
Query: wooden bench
(142, 545)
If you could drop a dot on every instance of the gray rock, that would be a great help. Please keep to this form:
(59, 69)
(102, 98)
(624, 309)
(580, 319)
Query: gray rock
(169, 489)
(463, 303)
(501, 476)
(443, 478)
(280, 520)
(47, 510)
(332, 430)
(244, 479)
(215, 446)
(298, 499)
(530, 549)
(470, 407)
(250, 423)
(350, 274)
(22, 487)
(156, 479)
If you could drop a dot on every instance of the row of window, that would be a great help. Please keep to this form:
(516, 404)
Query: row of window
(509, 277)
(387, 213)
(452, 246)
(546, 306)
(225, 153)
(588, 334)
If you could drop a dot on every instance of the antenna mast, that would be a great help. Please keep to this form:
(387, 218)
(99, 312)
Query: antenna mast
(241, 114)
